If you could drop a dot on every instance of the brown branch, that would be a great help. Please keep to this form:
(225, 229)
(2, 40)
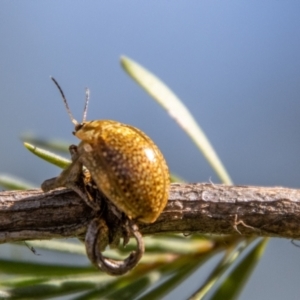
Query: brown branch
(203, 208)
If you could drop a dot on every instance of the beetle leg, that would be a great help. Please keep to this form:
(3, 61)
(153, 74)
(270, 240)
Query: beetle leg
(97, 239)
(93, 240)
(71, 174)
(74, 153)
(72, 178)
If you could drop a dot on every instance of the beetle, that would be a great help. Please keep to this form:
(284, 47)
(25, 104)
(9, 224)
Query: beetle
(124, 163)
(128, 168)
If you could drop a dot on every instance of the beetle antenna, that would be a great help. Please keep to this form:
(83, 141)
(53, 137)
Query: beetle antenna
(65, 101)
(87, 99)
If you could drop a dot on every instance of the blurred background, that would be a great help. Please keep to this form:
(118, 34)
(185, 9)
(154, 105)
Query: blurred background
(236, 66)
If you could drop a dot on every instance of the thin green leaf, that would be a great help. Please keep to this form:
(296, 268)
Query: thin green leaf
(123, 284)
(51, 144)
(50, 289)
(169, 244)
(13, 183)
(56, 245)
(238, 276)
(54, 159)
(230, 256)
(176, 245)
(28, 268)
(175, 178)
(177, 110)
(178, 271)
(93, 294)
(226, 266)
(135, 287)
(23, 281)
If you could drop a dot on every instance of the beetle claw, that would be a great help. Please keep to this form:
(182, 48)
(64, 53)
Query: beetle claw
(96, 238)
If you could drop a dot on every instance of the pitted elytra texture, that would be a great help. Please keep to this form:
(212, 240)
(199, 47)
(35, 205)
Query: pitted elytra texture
(126, 166)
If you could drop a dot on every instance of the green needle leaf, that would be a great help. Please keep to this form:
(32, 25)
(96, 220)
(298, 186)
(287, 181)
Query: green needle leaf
(177, 110)
(175, 273)
(28, 268)
(13, 183)
(54, 159)
(72, 247)
(49, 289)
(236, 279)
(52, 145)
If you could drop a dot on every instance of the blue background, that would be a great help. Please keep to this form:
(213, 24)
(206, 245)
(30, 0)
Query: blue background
(235, 64)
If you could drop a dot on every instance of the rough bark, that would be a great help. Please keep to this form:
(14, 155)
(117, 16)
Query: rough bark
(203, 208)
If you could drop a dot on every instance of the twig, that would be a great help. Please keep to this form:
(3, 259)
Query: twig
(202, 208)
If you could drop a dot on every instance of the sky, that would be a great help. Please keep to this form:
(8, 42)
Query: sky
(235, 65)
